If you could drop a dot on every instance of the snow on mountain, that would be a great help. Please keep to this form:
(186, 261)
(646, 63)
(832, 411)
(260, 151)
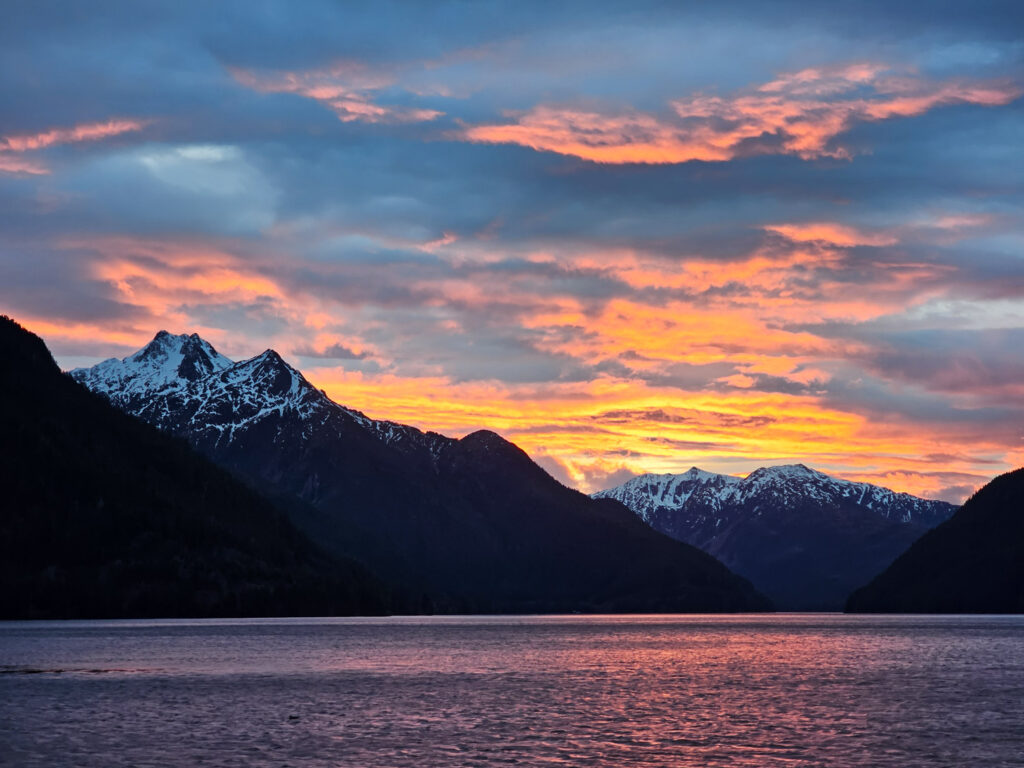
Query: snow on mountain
(183, 385)
(647, 493)
(166, 361)
(696, 490)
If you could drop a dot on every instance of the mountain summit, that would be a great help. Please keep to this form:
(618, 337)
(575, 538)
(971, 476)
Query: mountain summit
(166, 361)
(185, 386)
(803, 537)
(467, 525)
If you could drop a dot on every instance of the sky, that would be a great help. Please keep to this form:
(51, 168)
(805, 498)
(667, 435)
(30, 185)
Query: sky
(628, 237)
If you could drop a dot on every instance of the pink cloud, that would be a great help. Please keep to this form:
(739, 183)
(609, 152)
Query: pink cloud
(956, 221)
(347, 88)
(824, 82)
(802, 114)
(10, 146)
(831, 232)
(84, 132)
(17, 165)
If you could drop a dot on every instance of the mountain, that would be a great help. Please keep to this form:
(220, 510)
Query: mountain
(803, 538)
(104, 516)
(469, 525)
(972, 563)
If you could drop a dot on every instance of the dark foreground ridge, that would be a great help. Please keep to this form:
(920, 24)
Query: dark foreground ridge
(467, 525)
(104, 517)
(972, 563)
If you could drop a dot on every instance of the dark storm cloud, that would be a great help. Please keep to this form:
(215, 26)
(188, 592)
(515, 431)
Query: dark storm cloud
(881, 399)
(334, 351)
(985, 364)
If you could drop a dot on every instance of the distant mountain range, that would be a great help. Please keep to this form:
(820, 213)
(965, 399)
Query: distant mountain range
(469, 525)
(105, 517)
(972, 563)
(802, 537)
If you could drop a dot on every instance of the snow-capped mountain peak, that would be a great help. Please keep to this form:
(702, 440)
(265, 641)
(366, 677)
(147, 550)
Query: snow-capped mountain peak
(186, 356)
(166, 361)
(183, 385)
(270, 373)
(787, 472)
(696, 473)
(646, 493)
(790, 484)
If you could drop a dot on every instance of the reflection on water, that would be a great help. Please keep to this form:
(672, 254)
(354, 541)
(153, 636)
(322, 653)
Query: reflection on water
(785, 690)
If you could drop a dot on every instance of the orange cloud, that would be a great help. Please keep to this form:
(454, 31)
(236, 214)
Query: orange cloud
(832, 233)
(633, 138)
(10, 145)
(150, 273)
(107, 332)
(677, 380)
(597, 428)
(678, 331)
(800, 114)
(171, 283)
(347, 88)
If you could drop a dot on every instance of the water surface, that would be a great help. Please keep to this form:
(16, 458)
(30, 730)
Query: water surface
(769, 690)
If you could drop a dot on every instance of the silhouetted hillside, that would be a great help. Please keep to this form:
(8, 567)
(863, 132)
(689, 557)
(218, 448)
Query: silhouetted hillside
(103, 516)
(972, 563)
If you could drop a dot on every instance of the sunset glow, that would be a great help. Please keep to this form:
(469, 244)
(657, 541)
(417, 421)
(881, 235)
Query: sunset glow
(637, 260)
(807, 110)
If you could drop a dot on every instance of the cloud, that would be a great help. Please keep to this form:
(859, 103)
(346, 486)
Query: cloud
(981, 365)
(348, 88)
(335, 351)
(833, 233)
(11, 145)
(447, 363)
(601, 138)
(16, 165)
(801, 114)
(193, 189)
(85, 132)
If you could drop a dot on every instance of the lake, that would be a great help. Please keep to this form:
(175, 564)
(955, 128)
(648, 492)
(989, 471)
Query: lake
(737, 690)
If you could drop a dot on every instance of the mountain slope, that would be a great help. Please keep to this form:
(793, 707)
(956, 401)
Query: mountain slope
(103, 516)
(472, 524)
(972, 563)
(802, 537)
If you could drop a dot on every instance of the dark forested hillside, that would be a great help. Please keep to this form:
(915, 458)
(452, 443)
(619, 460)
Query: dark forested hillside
(972, 563)
(103, 516)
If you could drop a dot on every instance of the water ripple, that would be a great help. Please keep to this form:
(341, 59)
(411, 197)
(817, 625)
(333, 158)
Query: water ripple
(535, 691)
